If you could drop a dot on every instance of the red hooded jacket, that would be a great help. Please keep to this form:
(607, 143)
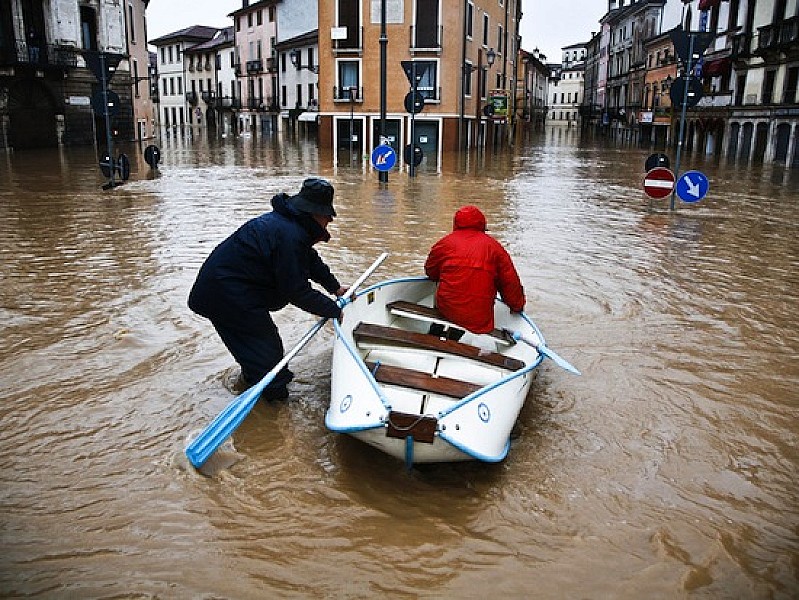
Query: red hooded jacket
(471, 267)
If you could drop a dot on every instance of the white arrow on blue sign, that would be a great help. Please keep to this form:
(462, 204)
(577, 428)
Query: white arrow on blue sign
(692, 186)
(384, 157)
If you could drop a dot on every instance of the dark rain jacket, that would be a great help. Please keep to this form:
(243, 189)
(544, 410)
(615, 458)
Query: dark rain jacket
(266, 264)
(471, 267)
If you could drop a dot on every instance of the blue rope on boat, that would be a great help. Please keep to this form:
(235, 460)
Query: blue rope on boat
(409, 452)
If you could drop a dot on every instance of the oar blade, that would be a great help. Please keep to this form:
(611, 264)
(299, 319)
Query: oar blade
(561, 362)
(221, 428)
(543, 349)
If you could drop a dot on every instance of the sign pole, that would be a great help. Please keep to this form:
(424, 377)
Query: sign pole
(382, 176)
(412, 171)
(688, 68)
(106, 110)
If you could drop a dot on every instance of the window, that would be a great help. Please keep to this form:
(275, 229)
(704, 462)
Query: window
(299, 94)
(469, 20)
(131, 24)
(163, 55)
(170, 54)
(310, 94)
(485, 30)
(180, 86)
(311, 58)
(427, 86)
(500, 40)
(349, 16)
(172, 86)
(768, 87)
(177, 52)
(789, 96)
(348, 77)
(166, 91)
(249, 20)
(426, 24)
(467, 79)
(259, 17)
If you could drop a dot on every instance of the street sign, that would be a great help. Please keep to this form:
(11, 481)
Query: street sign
(412, 68)
(677, 92)
(656, 160)
(692, 186)
(123, 167)
(659, 182)
(384, 158)
(413, 154)
(414, 103)
(102, 64)
(152, 155)
(107, 103)
(682, 43)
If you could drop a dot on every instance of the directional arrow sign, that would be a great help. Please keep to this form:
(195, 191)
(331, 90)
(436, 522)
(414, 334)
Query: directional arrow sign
(384, 157)
(692, 186)
(659, 182)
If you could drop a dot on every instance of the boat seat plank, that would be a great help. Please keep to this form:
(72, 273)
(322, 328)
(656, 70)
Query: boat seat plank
(411, 378)
(403, 308)
(392, 335)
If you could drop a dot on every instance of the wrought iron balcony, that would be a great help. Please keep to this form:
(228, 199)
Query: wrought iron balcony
(43, 56)
(191, 98)
(209, 97)
(255, 66)
(778, 36)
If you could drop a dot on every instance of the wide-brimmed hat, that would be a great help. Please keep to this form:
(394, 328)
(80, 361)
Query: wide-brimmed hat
(315, 197)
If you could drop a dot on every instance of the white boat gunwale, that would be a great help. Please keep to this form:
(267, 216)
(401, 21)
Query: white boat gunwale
(441, 430)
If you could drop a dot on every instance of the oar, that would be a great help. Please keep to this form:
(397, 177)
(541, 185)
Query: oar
(226, 422)
(536, 343)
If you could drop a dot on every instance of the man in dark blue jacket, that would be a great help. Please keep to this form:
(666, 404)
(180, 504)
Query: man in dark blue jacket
(266, 264)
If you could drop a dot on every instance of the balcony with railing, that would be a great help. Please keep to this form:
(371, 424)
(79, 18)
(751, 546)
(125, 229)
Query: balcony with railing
(255, 66)
(191, 98)
(347, 94)
(41, 56)
(741, 45)
(229, 103)
(778, 37)
(208, 97)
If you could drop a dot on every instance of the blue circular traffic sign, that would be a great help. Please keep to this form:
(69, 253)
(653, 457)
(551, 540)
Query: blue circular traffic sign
(384, 157)
(692, 186)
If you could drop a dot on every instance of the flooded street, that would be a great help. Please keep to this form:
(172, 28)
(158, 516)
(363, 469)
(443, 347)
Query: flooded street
(669, 469)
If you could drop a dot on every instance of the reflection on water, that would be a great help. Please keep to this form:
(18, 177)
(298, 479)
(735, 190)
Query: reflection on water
(668, 469)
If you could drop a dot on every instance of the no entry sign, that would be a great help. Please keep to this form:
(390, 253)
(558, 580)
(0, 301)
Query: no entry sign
(659, 182)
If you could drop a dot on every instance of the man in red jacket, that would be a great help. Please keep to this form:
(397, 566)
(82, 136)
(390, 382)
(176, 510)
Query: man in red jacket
(471, 267)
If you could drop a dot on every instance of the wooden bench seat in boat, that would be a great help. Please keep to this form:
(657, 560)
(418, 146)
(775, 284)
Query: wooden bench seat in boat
(419, 380)
(403, 308)
(382, 334)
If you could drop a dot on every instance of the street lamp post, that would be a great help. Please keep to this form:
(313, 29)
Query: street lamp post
(296, 60)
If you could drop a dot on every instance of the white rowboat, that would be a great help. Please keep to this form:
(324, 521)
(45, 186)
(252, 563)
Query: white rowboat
(423, 397)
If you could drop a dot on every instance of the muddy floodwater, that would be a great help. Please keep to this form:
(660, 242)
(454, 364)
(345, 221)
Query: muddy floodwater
(669, 469)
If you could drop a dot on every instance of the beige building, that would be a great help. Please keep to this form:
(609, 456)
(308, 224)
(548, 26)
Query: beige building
(462, 54)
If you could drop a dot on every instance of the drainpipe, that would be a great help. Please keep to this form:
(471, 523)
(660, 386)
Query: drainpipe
(462, 75)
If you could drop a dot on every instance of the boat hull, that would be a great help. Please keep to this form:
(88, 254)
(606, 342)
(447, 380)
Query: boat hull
(426, 398)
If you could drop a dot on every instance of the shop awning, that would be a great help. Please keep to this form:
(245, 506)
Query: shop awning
(308, 116)
(708, 4)
(717, 67)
